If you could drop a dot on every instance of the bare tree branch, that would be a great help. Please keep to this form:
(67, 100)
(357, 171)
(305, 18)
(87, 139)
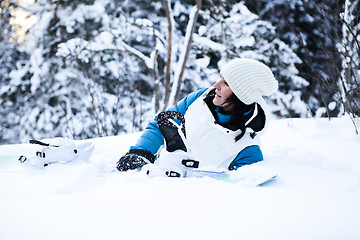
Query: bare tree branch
(170, 21)
(179, 72)
(156, 82)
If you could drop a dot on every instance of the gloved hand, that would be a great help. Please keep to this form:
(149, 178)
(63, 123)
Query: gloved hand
(135, 158)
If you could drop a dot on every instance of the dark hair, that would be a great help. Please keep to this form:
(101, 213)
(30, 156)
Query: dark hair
(237, 112)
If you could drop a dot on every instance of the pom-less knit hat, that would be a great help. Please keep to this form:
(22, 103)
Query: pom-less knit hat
(249, 79)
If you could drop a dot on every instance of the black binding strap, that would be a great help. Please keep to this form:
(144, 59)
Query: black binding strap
(172, 174)
(190, 163)
(33, 141)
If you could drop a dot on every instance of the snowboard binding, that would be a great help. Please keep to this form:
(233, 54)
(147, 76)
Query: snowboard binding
(176, 158)
(57, 150)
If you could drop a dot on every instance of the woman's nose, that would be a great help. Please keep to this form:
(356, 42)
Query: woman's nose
(217, 85)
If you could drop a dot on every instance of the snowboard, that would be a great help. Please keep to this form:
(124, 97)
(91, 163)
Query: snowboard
(177, 160)
(248, 175)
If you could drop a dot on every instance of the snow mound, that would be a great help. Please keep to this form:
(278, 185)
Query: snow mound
(316, 194)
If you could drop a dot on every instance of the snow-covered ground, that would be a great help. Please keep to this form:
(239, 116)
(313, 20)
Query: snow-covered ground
(316, 194)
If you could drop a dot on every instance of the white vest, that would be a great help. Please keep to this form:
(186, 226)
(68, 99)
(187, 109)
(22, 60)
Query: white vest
(211, 144)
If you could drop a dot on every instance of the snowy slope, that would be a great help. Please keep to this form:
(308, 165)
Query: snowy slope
(316, 194)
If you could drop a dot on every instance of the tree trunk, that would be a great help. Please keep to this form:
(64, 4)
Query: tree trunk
(179, 72)
(169, 49)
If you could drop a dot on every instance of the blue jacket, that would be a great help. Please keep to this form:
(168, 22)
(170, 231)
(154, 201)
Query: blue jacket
(151, 139)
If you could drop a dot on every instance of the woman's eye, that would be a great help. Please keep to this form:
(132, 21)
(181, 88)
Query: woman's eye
(226, 83)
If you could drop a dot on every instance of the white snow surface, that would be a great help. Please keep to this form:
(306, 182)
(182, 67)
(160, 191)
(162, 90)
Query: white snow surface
(315, 196)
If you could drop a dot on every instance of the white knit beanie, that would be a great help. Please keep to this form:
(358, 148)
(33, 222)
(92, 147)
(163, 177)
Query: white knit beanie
(249, 79)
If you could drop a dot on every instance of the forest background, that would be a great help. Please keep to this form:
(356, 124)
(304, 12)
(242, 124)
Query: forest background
(93, 68)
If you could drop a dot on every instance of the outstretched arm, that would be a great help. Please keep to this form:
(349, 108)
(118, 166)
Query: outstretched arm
(151, 139)
(248, 155)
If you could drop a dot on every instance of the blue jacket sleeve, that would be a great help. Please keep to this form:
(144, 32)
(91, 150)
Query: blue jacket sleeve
(248, 155)
(151, 139)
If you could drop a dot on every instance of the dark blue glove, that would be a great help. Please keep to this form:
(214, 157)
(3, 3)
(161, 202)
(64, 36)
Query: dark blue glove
(134, 159)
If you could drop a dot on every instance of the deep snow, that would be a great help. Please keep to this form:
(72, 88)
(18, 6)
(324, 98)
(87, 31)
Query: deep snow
(316, 194)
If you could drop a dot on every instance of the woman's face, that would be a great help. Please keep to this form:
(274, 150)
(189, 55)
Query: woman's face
(222, 93)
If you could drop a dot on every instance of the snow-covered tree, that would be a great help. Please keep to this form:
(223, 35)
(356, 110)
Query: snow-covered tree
(80, 96)
(161, 47)
(349, 81)
(240, 33)
(350, 50)
(103, 67)
(10, 59)
(310, 28)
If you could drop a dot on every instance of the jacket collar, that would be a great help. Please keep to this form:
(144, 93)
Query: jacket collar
(257, 118)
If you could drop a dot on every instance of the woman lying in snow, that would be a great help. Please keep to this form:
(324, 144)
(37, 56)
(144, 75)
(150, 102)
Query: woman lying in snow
(223, 124)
